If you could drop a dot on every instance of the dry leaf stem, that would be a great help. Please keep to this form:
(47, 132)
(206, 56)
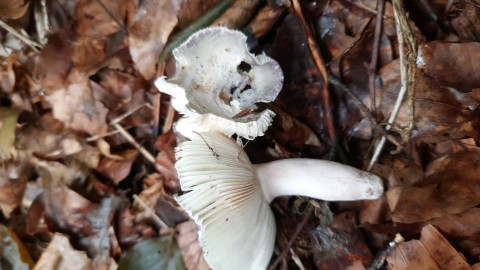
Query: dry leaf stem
(372, 68)
(32, 44)
(408, 50)
(152, 214)
(320, 64)
(135, 144)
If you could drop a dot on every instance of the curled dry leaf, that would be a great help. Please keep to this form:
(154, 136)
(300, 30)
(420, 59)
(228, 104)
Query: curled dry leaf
(432, 251)
(77, 107)
(437, 195)
(13, 9)
(451, 64)
(61, 255)
(153, 21)
(218, 82)
(115, 169)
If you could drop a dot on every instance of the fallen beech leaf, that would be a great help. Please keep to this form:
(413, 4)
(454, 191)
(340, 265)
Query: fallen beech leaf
(238, 15)
(154, 253)
(12, 252)
(440, 112)
(78, 108)
(152, 23)
(8, 124)
(451, 64)
(60, 255)
(13, 9)
(192, 9)
(115, 169)
(438, 194)
(187, 239)
(100, 19)
(432, 251)
(13, 180)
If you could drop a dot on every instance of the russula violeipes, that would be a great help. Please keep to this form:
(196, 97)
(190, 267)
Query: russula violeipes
(217, 83)
(229, 197)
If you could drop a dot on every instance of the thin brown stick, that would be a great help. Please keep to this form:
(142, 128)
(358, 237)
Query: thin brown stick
(135, 144)
(150, 211)
(320, 64)
(299, 228)
(130, 112)
(408, 54)
(372, 68)
(157, 104)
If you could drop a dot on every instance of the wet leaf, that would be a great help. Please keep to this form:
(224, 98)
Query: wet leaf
(154, 253)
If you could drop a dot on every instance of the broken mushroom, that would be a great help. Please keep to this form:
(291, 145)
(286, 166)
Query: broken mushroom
(218, 82)
(229, 198)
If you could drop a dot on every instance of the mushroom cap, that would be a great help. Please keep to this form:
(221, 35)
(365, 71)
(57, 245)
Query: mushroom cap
(236, 225)
(217, 76)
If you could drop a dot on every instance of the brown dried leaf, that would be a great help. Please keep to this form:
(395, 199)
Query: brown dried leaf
(60, 255)
(238, 15)
(116, 170)
(153, 21)
(440, 113)
(13, 181)
(78, 108)
(432, 251)
(438, 194)
(100, 18)
(187, 240)
(464, 17)
(192, 9)
(13, 9)
(264, 20)
(451, 64)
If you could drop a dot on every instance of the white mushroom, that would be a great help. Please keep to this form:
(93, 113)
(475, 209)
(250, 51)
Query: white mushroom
(218, 82)
(229, 197)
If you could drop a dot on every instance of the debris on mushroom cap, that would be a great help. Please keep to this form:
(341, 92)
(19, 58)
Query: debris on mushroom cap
(236, 225)
(217, 78)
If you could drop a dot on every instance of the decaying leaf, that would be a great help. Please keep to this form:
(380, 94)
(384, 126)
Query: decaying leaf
(61, 255)
(437, 195)
(451, 64)
(146, 37)
(77, 107)
(115, 169)
(432, 251)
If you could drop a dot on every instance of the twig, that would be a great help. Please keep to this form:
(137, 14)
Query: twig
(299, 228)
(132, 141)
(408, 56)
(167, 126)
(157, 104)
(152, 213)
(320, 64)
(379, 260)
(355, 41)
(130, 112)
(368, 9)
(372, 68)
(32, 44)
(97, 137)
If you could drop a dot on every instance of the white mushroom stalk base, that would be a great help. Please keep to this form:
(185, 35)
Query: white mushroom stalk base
(320, 179)
(229, 198)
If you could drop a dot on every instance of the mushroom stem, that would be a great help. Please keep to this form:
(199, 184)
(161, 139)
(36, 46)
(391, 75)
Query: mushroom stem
(320, 179)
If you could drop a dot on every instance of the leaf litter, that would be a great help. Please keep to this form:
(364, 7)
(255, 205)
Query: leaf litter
(72, 185)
